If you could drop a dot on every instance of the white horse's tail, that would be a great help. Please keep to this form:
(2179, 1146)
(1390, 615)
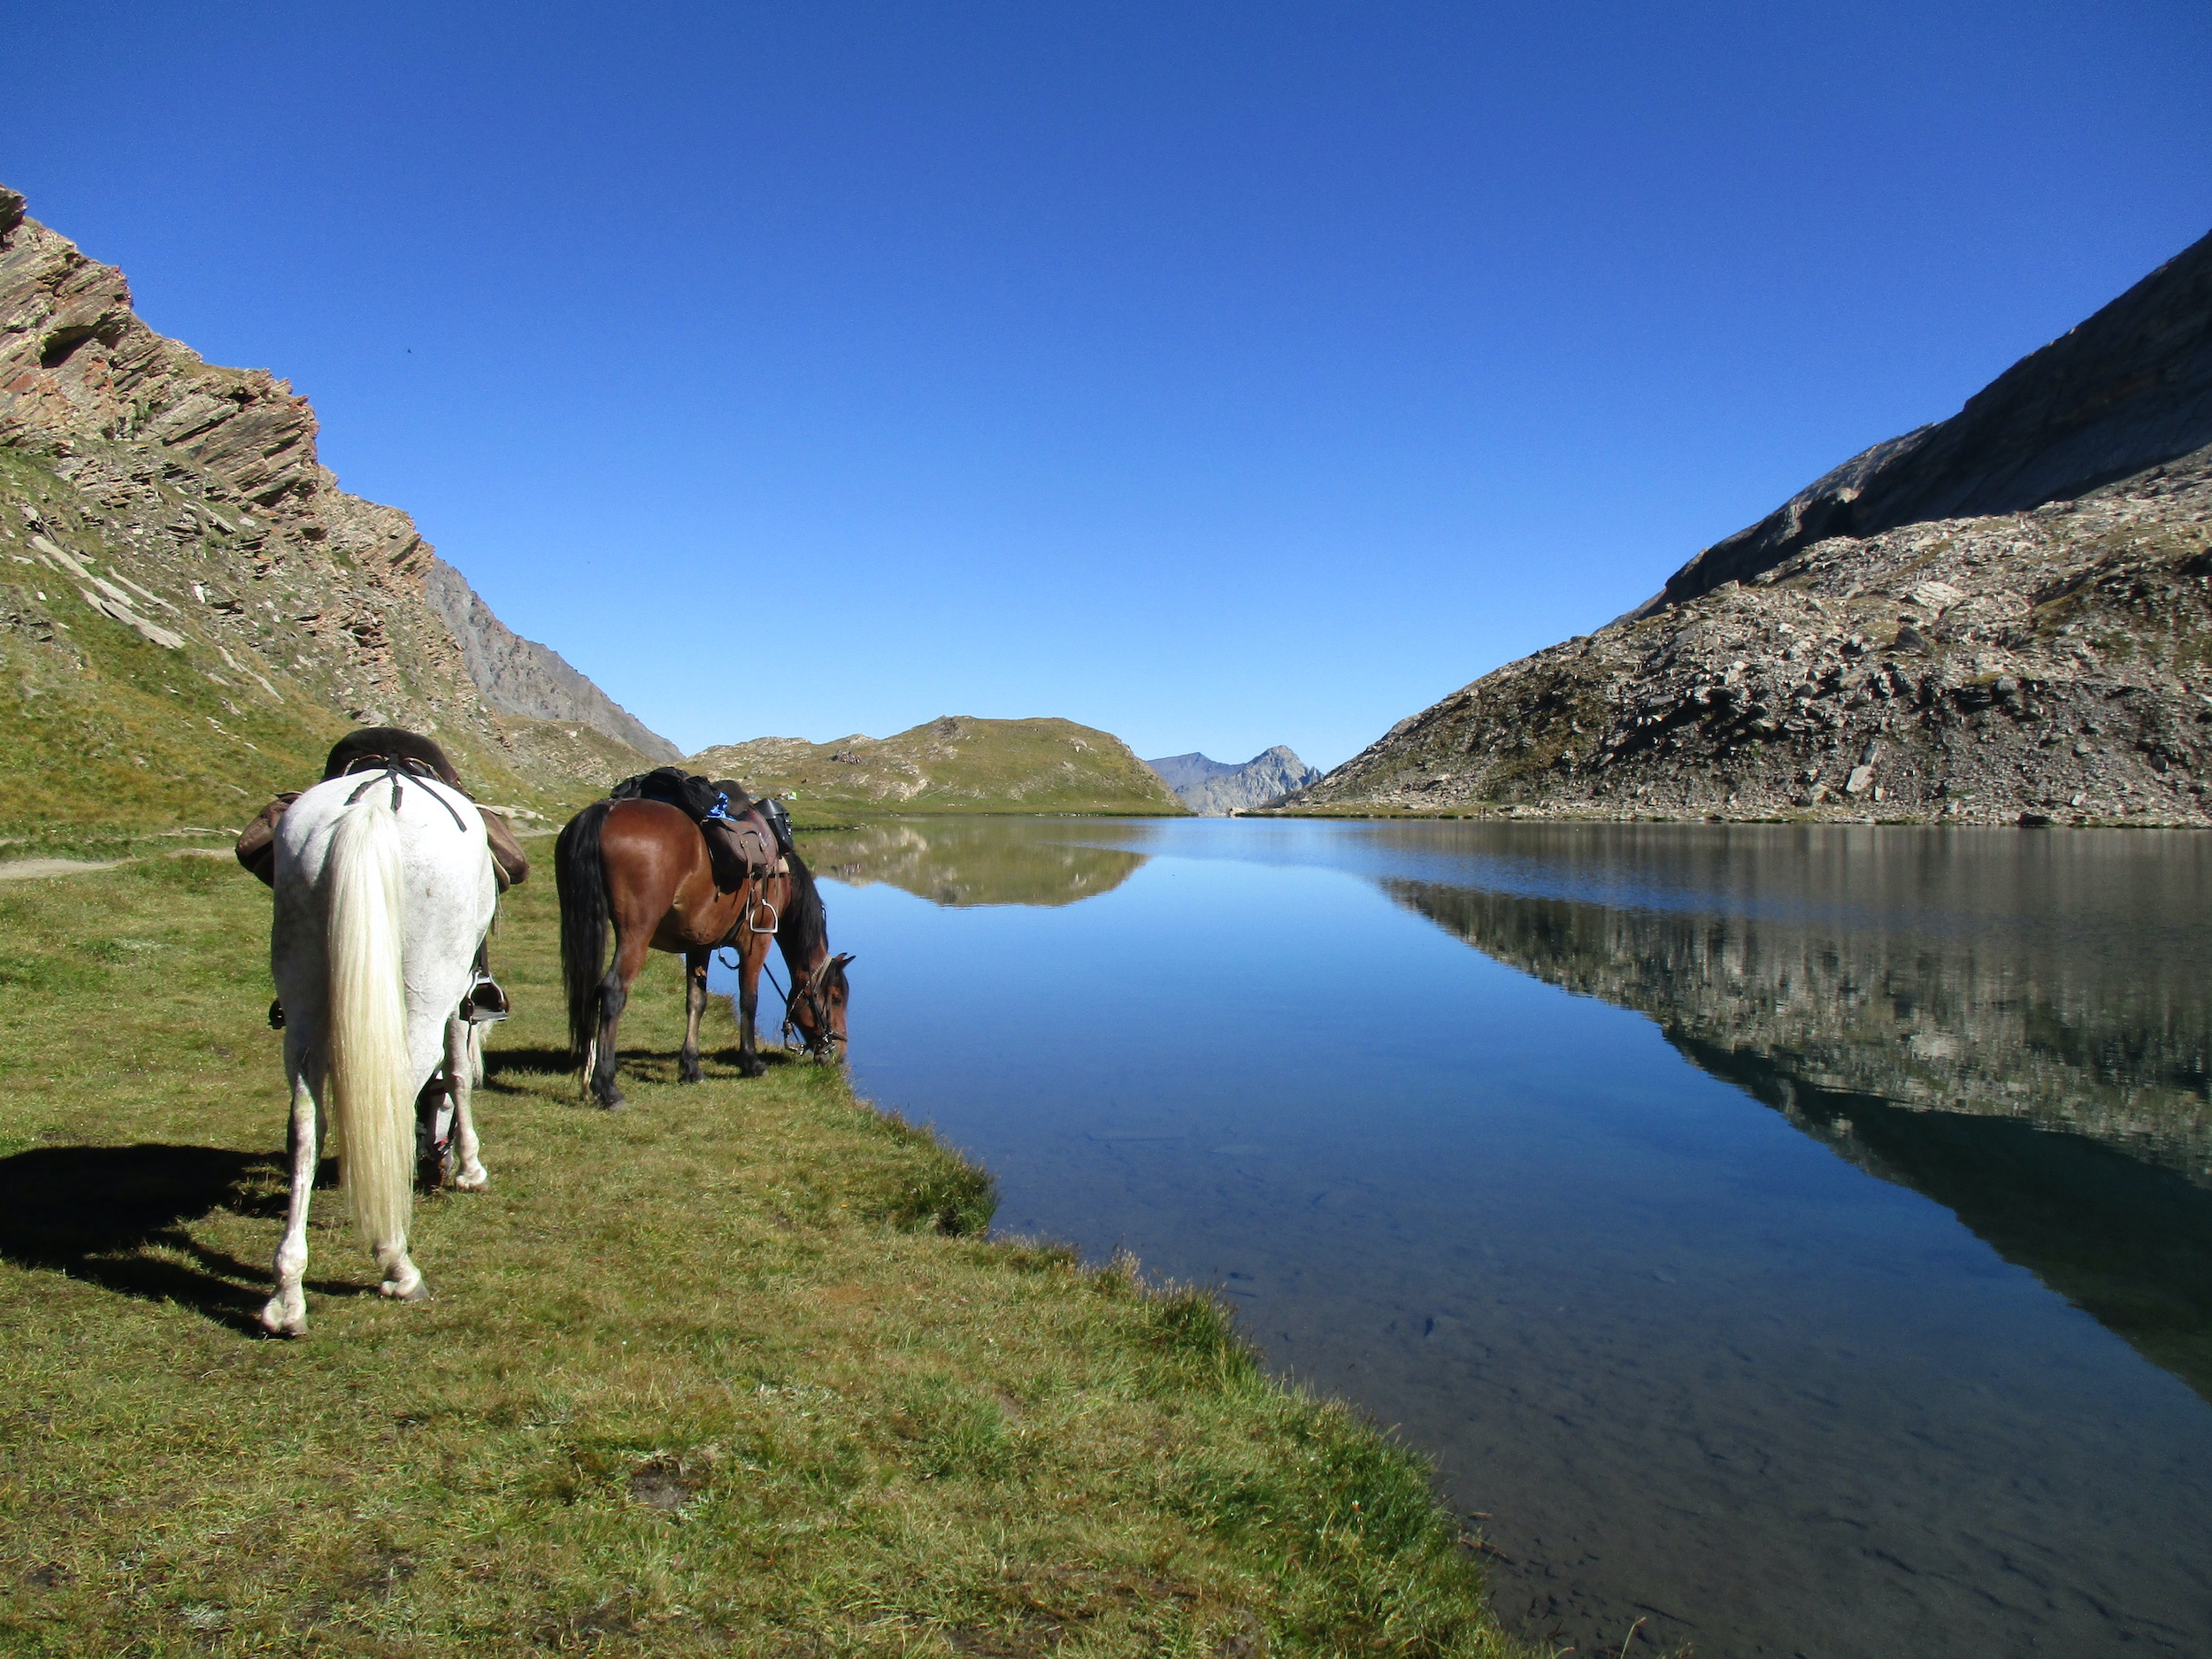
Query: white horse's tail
(372, 1108)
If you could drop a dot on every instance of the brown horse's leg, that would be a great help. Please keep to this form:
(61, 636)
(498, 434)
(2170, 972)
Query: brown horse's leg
(752, 952)
(694, 1005)
(630, 946)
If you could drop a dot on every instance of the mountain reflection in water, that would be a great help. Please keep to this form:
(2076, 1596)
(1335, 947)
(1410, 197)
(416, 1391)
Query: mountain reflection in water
(959, 862)
(2016, 1025)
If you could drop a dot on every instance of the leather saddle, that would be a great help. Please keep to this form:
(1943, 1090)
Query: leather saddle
(367, 749)
(742, 842)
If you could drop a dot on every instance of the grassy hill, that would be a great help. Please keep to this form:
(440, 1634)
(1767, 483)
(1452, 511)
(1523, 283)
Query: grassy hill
(956, 764)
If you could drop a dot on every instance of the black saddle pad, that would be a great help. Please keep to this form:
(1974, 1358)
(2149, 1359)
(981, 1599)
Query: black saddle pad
(688, 792)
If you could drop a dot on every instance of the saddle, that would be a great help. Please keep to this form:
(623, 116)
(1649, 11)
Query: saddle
(743, 842)
(371, 749)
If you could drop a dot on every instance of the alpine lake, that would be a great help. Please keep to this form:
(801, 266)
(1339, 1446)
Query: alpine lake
(1783, 1240)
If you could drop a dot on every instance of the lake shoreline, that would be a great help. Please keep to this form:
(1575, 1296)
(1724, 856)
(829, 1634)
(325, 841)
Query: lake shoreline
(1788, 1228)
(1573, 815)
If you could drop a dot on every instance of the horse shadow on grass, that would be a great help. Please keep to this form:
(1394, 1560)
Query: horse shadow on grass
(119, 1217)
(519, 1063)
(515, 1071)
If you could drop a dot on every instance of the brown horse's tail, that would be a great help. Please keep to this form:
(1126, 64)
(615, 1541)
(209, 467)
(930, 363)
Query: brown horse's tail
(582, 877)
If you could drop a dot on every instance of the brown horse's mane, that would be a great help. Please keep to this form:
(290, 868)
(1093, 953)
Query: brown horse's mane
(804, 918)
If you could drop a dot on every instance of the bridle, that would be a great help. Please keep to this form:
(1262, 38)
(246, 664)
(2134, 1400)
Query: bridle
(813, 991)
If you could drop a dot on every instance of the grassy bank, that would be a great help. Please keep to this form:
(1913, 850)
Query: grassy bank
(730, 1372)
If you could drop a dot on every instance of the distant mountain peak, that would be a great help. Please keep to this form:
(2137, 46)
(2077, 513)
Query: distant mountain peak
(1216, 789)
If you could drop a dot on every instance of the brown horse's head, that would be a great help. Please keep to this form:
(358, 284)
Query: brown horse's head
(817, 1009)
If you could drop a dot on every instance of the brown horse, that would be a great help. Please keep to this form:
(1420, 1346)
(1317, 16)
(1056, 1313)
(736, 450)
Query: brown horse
(642, 867)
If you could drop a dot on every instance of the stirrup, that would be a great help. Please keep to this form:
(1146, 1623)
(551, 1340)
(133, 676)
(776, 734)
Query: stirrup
(486, 1004)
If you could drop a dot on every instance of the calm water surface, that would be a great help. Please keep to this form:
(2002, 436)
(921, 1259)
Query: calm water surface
(1799, 1239)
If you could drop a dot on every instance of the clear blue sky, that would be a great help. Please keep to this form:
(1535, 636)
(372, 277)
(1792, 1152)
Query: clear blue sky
(1218, 375)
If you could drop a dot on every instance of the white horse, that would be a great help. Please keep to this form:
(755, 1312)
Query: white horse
(384, 890)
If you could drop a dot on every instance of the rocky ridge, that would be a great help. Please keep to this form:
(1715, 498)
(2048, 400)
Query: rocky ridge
(520, 676)
(2126, 390)
(2051, 662)
(1215, 788)
(183, 506)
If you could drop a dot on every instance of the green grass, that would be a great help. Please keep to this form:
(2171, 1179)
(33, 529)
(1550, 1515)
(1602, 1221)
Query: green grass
(730, 1372)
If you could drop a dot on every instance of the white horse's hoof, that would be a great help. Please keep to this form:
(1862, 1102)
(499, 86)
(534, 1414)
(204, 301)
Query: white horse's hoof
(277, 1322)
(473, 1180)
(419, 1291)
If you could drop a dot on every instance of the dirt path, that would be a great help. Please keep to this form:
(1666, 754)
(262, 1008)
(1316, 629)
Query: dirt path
(31, 869)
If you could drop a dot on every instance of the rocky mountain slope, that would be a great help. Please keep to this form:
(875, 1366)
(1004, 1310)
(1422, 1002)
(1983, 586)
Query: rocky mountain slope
(1180, 772)
(956, 764)
(1215, 788)
(190, 608)
(2006, 617)
(520, 676)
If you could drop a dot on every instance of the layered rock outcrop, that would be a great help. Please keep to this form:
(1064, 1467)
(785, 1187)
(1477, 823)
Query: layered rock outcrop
(185, 503)
(1976, 622)
(1215, 788)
